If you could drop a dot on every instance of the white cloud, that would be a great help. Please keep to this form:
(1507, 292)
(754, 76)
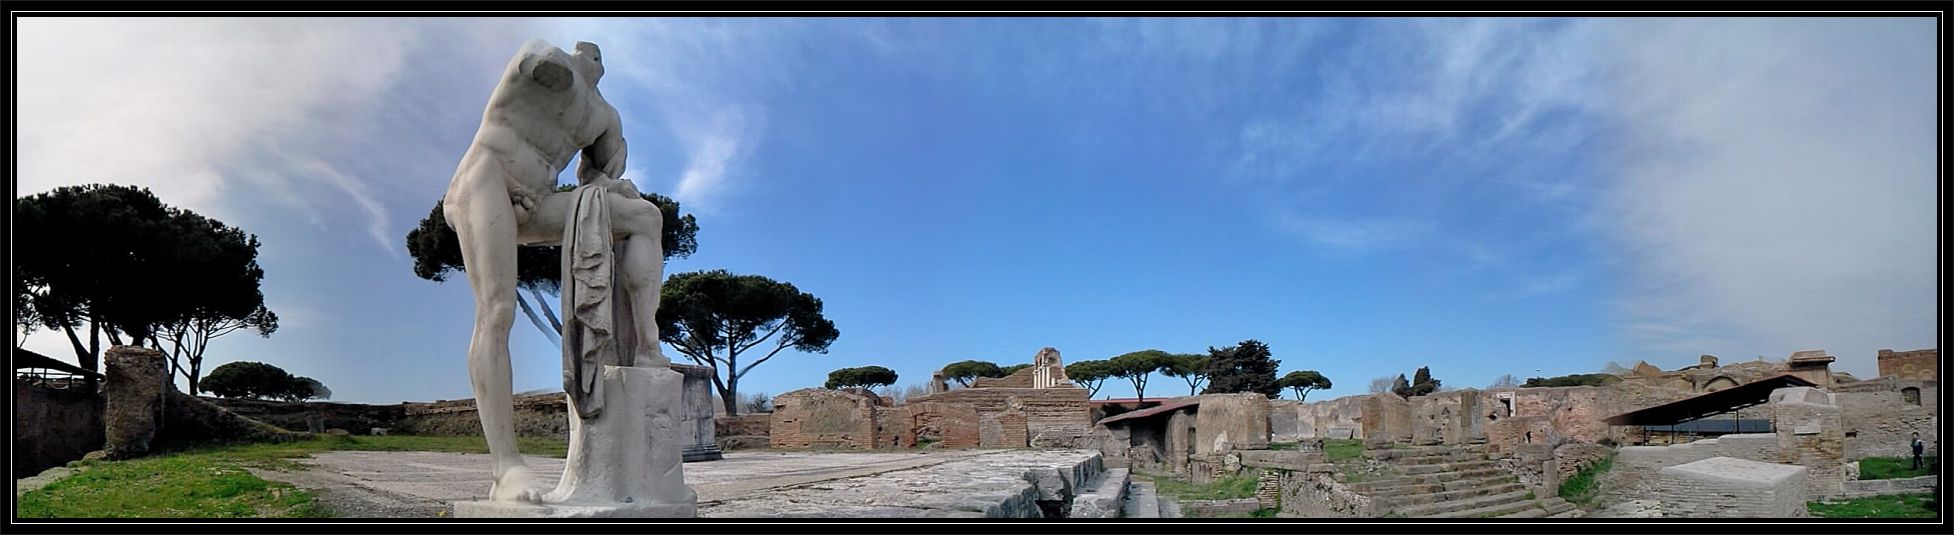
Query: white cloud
(1354, 233)
(1776, 185)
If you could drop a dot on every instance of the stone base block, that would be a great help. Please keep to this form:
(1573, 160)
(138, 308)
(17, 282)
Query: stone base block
(490, 509)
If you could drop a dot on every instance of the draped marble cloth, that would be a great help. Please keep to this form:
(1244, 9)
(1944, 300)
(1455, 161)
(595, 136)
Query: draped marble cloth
(597, 319)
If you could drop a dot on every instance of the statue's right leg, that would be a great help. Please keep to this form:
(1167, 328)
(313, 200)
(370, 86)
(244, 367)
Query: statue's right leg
(485, 225)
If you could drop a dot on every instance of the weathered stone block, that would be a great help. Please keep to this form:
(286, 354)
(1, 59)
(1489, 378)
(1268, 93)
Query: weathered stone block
(1723, 487)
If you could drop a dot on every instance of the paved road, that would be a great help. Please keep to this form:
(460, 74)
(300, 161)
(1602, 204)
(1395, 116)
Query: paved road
(421, 484)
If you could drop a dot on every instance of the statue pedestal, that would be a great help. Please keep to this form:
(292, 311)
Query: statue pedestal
(625, 463)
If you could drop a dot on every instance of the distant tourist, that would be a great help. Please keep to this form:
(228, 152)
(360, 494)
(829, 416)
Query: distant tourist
(1918, 448)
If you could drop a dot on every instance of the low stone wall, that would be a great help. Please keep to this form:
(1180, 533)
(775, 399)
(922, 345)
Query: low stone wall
(1228, 422)
(1881, 487)
(53, 426)
(1318, 494)
(742, 425)
(315, 416)
(1722, 487)
(536, 416)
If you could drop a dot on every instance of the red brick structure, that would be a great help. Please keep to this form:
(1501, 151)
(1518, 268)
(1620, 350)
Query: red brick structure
(953, 425)
(1916, 365)
(822, 418)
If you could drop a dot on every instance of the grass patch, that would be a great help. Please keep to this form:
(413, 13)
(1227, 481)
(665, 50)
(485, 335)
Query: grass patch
(1230, 488)
(1343, 449)
(1896, 467)
(212, 481)
(1284, 446)
(1896, 506)
(1582, 488)
(1265, 512)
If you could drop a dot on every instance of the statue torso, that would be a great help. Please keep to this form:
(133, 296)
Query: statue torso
(534, 131)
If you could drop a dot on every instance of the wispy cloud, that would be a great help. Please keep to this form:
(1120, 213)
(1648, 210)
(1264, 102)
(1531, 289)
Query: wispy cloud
(1776, 184)
(1354, 234)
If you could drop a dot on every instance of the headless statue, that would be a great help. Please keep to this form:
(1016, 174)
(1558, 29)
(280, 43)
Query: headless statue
(544, 110)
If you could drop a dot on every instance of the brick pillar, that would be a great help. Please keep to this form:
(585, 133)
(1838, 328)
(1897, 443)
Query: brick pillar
(137, 380)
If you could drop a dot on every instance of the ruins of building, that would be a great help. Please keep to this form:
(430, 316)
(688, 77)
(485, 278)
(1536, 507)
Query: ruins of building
(1916, 365)
(1036, 407)
(1185, 435)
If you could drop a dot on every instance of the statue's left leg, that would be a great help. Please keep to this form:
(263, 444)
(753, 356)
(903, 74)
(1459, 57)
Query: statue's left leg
(643, 269)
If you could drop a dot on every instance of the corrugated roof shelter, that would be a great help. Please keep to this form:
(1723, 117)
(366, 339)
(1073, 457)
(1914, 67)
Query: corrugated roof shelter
(1742, 396)
(24, 359)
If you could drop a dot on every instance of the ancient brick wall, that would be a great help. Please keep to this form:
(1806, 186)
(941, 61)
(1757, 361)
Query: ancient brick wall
(815, 417)
(1733, 488)
(1880, 417)
(1179, 441)
(1447, 417)
(1286, 421)
(1336, 418)
(758, 425)
(1386, 419)
(1919, 364)
(1227, 422)
(1053, 417)
(53, 426)
(1811, 434)
(536, 416)
(952, 425)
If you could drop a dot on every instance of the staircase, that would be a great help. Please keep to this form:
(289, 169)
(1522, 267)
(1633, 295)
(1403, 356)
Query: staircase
(1143, 502)
(1454, 482)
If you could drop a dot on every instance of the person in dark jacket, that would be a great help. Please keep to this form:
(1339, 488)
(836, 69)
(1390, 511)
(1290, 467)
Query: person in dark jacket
(1918, 449)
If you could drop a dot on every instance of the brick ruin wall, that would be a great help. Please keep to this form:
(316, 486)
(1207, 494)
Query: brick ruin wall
(949, 425)
(536, 416)
(1917, 365)
(53, 426)
(1052, 417)
(1880, 418)
(1227, 422)
(821, 418)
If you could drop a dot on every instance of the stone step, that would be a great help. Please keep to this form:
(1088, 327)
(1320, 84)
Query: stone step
(1555, 505)
(1570, 513)
(1142, 501)
(1450, 495)
(1418, 469)
(1531, 512)
(1429, 488)
(1103, 496)
(1440, 478)
(1451, 509)
(1492, 507)
(1422, 451)
(1423, 460)
(1169, 507)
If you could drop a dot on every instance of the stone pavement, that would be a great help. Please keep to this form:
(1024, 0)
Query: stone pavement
(743, 484)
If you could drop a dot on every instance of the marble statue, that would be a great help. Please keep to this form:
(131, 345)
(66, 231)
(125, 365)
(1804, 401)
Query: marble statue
(625, 400)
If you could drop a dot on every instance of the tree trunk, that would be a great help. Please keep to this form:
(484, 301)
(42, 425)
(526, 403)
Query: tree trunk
(729, 397)
(555, 336)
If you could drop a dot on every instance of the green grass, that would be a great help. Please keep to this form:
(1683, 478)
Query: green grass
(1582, 488)
(1230, 488)
(1347, 449)
(1896, 467)
(1896, 506)
(211, 481)
(1265, 512)
(1284, 446)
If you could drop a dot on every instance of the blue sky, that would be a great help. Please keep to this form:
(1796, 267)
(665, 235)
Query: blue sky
(1483, 196)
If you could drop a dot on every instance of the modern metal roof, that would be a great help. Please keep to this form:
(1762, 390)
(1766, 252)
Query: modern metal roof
(1749, 394)
(1143, 413)
(29, 359)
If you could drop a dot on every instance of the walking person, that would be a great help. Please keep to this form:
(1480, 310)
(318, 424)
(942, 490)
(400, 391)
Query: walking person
(1918, 448)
